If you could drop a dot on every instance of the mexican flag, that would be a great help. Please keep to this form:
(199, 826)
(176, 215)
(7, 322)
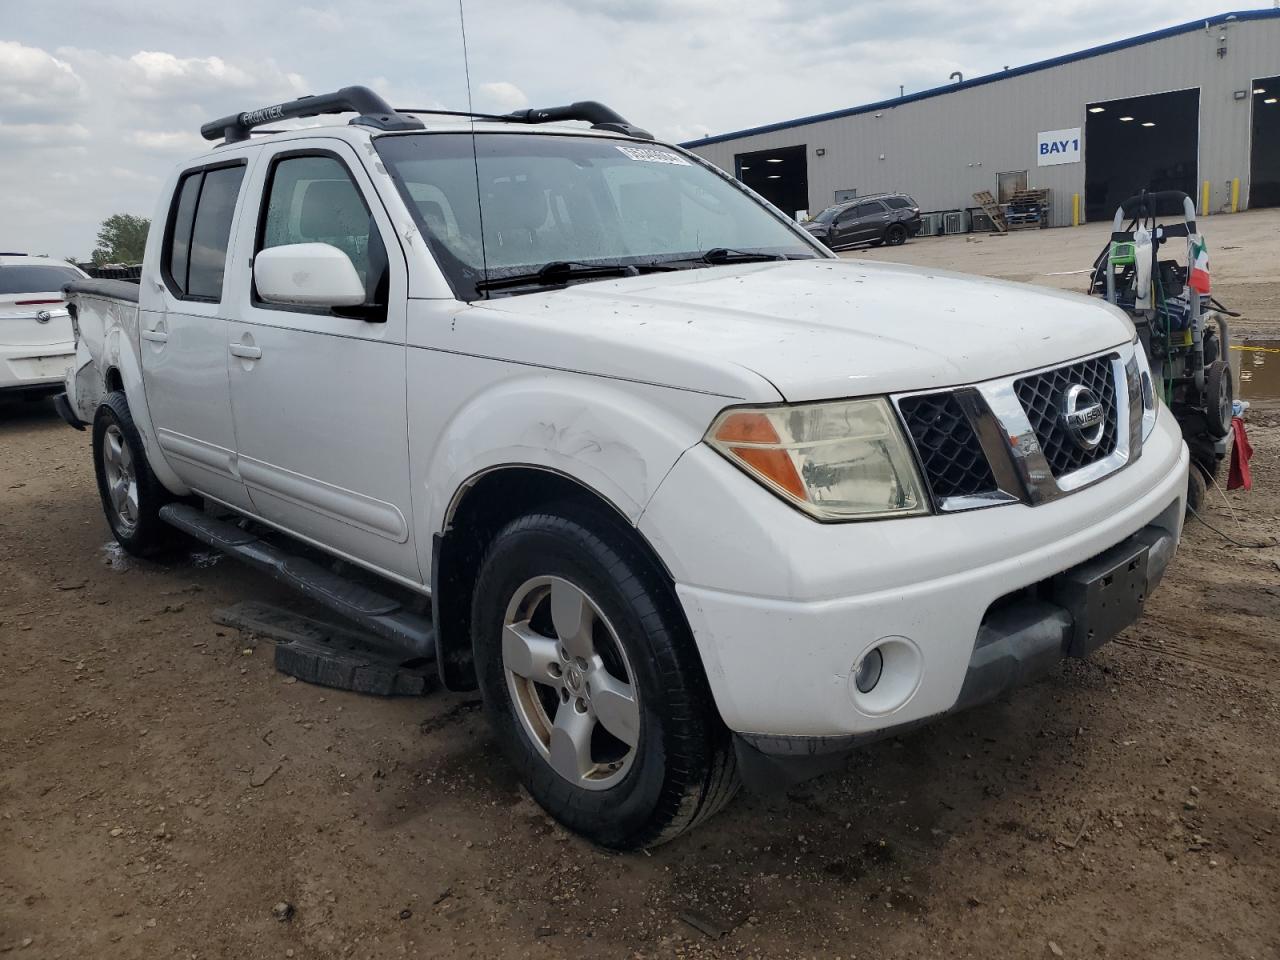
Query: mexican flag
(1199, 278)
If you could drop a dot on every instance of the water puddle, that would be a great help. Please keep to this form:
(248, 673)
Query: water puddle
(1257, 367)
(113, 556)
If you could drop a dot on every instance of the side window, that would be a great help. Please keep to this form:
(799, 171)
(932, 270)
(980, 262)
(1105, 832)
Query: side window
(212, 230)
(312, 199)
(195, 249)
(897, 203)
(178, 245)
(867, 210)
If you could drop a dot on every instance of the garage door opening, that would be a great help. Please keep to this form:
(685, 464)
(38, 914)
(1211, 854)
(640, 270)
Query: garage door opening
(780, 176)
(1264, 171)
(1140, 143)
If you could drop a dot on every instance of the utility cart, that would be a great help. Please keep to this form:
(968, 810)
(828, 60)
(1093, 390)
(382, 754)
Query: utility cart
(1182, 328)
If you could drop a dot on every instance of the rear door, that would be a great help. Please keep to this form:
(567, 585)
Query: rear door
(184, 333)
(871, 218)
(319, 393)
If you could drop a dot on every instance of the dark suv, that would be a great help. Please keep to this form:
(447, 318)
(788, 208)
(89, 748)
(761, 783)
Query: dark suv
(884, 218)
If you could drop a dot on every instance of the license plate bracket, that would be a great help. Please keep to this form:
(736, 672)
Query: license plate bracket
(1103, 595)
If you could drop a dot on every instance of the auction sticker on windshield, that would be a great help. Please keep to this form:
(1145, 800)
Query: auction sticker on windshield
(654, 156)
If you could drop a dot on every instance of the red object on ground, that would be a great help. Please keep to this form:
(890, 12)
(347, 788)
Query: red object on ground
(1241, 452)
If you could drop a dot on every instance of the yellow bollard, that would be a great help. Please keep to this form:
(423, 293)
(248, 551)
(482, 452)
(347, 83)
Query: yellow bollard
(1204, 199)
(1075, 209)
(1235, 195)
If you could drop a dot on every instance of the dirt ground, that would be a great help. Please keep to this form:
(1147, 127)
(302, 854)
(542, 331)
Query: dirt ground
(163, 788)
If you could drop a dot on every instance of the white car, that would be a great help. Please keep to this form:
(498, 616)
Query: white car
(689, 499)
(36, 341)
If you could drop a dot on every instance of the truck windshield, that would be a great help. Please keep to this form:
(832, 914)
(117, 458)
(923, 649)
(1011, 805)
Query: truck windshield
(521, 202)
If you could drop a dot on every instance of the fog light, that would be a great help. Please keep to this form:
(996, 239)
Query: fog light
(867, 674)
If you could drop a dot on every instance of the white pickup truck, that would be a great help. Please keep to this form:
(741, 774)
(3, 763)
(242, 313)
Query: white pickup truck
(689, 499)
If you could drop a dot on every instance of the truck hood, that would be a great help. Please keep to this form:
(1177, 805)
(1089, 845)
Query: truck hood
(821, 329)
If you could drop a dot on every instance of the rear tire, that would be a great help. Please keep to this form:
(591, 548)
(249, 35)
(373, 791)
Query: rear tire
(131, 494)
(592, 683)
(896, 235)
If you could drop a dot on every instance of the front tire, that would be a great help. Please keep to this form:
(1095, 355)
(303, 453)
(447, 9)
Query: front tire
(131, 494)
(592, 684)
(1197, 487)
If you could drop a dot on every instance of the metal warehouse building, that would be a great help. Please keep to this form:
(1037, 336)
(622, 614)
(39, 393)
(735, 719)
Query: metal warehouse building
(1194, 108)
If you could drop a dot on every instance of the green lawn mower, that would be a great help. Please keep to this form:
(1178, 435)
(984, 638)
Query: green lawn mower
(1182, 328)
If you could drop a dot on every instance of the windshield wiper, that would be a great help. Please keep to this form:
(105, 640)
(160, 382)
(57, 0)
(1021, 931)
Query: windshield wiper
(728, 255)
(559, 272)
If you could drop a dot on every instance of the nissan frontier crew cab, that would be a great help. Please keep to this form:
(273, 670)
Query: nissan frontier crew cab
(690, 500)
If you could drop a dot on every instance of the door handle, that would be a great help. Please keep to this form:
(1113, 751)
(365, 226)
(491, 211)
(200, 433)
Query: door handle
(245, 352)
(155, 336)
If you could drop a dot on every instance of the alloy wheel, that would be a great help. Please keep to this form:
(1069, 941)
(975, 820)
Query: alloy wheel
(121, 476)
(570, 682)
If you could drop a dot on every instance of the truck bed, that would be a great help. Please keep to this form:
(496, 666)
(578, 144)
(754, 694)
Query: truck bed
(105, 315)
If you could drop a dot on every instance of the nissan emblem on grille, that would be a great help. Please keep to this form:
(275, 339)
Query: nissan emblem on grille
(1084, 416)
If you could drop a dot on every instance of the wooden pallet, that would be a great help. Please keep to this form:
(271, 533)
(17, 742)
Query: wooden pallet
(1029, 208)
(992, 209)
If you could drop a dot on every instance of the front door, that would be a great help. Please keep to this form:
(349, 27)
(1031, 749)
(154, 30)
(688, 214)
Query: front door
(183, 328)
(319, 394)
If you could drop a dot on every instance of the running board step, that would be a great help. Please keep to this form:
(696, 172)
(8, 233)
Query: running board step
(329, 655)
(371, 610)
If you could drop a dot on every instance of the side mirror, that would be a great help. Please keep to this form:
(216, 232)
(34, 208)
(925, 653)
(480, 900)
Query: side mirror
(307, 275)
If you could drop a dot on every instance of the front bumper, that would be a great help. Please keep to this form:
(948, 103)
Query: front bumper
(1019, 641)
(782, 608)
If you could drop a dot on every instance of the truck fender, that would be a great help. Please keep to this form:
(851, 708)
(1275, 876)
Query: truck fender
(591, 430)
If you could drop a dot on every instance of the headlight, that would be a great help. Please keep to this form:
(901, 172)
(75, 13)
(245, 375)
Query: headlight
(843, 460)
(1150, 389)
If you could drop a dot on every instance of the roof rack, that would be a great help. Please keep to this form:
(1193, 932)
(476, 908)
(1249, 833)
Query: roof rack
(592, 111)
(372, 109)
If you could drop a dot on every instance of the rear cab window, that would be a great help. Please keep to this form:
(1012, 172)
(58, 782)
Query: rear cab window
(193, 258)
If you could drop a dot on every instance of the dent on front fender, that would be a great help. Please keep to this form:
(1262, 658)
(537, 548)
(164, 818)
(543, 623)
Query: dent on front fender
(616, 439)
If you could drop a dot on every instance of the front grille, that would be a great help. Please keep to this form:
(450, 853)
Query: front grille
(1042, 397)
(953, 461)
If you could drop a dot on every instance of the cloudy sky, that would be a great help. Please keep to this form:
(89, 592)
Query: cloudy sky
(99, 98)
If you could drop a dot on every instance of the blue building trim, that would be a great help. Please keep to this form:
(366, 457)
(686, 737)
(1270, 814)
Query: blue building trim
(994, 77)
